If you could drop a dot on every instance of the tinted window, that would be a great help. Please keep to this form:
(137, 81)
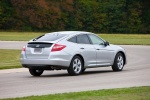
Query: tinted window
(83, 39)
(95, 39)
(50, 37)
(73, 39)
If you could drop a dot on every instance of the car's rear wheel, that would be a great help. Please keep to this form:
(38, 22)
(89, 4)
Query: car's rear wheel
(118, 63)
(36, 72)
(76, 66)
(83, 70)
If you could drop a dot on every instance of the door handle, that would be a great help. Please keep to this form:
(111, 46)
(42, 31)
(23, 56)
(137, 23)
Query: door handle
(81, 48)
(97, 49)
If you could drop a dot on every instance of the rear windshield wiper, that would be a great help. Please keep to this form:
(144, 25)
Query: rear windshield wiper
(38, 37)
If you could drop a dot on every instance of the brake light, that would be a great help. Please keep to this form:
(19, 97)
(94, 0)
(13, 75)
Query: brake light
(58, 47)
(24, 48)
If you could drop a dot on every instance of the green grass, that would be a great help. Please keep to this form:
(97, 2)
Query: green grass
(9, 59)
(134, 93)
(18, 36)
(128, 39)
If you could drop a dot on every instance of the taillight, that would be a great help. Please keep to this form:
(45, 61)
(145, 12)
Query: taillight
(24, 48)
(58, 47)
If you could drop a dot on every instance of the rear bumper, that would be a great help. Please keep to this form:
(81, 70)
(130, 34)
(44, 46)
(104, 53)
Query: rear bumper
(45, 63)
(45, 67)
(59, 60)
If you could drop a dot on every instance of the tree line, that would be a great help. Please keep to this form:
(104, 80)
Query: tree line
(102, 16)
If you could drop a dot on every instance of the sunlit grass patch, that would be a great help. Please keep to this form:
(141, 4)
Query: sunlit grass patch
(9, 59)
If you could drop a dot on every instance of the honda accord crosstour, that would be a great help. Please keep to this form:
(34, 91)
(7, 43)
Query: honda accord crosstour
(73, 51)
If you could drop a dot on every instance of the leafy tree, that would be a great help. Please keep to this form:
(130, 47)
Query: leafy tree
(6, 15)
(106, 16)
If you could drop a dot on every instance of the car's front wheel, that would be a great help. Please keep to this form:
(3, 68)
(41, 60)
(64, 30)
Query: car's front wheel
(36, 72)
(118, 62)
(76, 66)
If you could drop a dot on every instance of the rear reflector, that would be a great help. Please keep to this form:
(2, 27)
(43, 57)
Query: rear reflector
(24, 48)
(58, 47)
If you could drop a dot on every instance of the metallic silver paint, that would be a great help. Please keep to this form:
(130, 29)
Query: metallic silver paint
(93, 55)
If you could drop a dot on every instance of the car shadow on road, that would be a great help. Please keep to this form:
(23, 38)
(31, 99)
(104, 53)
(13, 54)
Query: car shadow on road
(96, 72)
(82, 74)
(56, 75)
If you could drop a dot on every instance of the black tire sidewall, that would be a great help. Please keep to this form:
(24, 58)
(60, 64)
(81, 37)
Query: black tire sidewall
(83, 70)
(35, 73)
(115, 66)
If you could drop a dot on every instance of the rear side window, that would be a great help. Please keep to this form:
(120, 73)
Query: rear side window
(50, 37)
(73, 39)
(83, 39)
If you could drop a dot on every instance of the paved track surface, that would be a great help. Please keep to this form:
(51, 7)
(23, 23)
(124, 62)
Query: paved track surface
(12, 44)
(19, 83)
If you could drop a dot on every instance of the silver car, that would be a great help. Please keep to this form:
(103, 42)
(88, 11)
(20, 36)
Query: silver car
(71, 50)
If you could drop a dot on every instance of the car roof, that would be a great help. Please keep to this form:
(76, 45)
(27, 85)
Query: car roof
(70, 32)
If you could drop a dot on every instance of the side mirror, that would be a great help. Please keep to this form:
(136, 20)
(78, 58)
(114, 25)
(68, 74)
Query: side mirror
(106, 43)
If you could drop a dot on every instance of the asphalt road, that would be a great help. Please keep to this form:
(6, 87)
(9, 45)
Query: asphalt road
(12, 44)
(19, 83)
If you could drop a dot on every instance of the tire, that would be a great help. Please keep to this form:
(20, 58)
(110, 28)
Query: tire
(36, 72)
(118, 62)
(83, 70)
(76, 66)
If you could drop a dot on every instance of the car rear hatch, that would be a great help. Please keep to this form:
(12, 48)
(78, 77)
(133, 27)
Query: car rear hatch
(38, 50)
(40, 47)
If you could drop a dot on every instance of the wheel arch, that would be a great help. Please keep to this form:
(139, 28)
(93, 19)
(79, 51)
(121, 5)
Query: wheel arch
(81, 58)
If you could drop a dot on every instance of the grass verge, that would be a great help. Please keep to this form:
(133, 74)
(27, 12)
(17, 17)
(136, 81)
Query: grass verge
(9, 59)
(134, 93)
(18, 36)
(128, 39)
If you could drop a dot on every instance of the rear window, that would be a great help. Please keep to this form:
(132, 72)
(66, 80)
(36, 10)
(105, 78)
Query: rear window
(50, 37)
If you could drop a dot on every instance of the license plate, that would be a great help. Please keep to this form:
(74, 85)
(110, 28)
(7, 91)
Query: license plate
(38, 50)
